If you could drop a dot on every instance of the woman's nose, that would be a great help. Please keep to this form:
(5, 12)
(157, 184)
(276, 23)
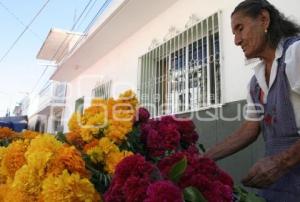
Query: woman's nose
(237, 40)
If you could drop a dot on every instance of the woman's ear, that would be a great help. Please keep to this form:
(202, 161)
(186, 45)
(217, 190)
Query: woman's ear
(265, 19)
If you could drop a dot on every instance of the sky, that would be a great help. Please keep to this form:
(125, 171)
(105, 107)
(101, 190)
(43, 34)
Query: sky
(20, 72)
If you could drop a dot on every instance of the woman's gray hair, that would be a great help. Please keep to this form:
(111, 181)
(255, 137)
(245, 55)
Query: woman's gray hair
(280, 27)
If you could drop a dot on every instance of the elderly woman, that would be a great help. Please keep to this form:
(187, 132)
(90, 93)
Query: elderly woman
(274, 100)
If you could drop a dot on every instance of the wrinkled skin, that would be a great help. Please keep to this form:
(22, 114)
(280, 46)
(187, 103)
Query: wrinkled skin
(265, 172)
(250, 33)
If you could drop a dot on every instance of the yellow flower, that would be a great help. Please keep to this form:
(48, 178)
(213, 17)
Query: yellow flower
(129, 97)
(28, 182)
(95, 109)
(2, 175)
(97, 120)
(74, 122)
(87, 133)
(93, 120)
(113, 159)
(118, 130)
(3, 151)
(110, 107)
(103, 149)
(46, 143)
(38, 161)
(13, 158)
(96, 154)
(98, 102)
(67, 188)
(107, 146)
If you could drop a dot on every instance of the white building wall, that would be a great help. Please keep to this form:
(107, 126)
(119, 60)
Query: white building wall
(121, 64)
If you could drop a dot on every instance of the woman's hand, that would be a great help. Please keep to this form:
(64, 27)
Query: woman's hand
(265, 172)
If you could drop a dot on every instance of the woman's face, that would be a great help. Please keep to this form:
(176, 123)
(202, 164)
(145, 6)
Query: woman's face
(248, 33)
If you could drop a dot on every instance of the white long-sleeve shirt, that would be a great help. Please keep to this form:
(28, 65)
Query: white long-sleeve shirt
(292, 60)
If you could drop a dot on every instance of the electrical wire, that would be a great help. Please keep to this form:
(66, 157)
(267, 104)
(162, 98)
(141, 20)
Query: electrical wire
(72, 28)
(60, 46)
(18, 19)
(102, 8)
(25, 29)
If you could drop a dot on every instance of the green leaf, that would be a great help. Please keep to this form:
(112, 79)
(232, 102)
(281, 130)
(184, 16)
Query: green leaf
(99, 178)
(61, 137)
(202, 148)
(192, 194)
(177, 170)
(5, 142)
(251, 197)
(241, 195)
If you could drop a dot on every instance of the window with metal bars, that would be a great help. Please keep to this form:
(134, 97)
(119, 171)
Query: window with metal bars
(183, 74)
(102, 90)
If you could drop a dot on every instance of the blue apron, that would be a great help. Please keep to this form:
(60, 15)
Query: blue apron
(279, 130)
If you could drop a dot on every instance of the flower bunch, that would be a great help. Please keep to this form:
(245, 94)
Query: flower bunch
(136, 179)
(149, 160)
(166, 141)
(13, 158)
(43, 169)
(102, 128)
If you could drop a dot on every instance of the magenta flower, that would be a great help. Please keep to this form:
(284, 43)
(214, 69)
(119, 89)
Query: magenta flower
(135, 189)
(185, 126)
(132, 177)
(171, 136)
(155, 143)
(190, 138)
(202, 173)
(166, 164)
(143, 115)
(164, 191)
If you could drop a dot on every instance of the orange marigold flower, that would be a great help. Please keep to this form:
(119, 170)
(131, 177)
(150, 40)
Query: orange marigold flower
(11, 194)
(14, 158)
(97, 197)
(67, 158)
(75, 122)
(118, 130)
(28, 134)
(2, 180)
(75, 139)
(6, 132)
(90, 145)
(3, 191)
